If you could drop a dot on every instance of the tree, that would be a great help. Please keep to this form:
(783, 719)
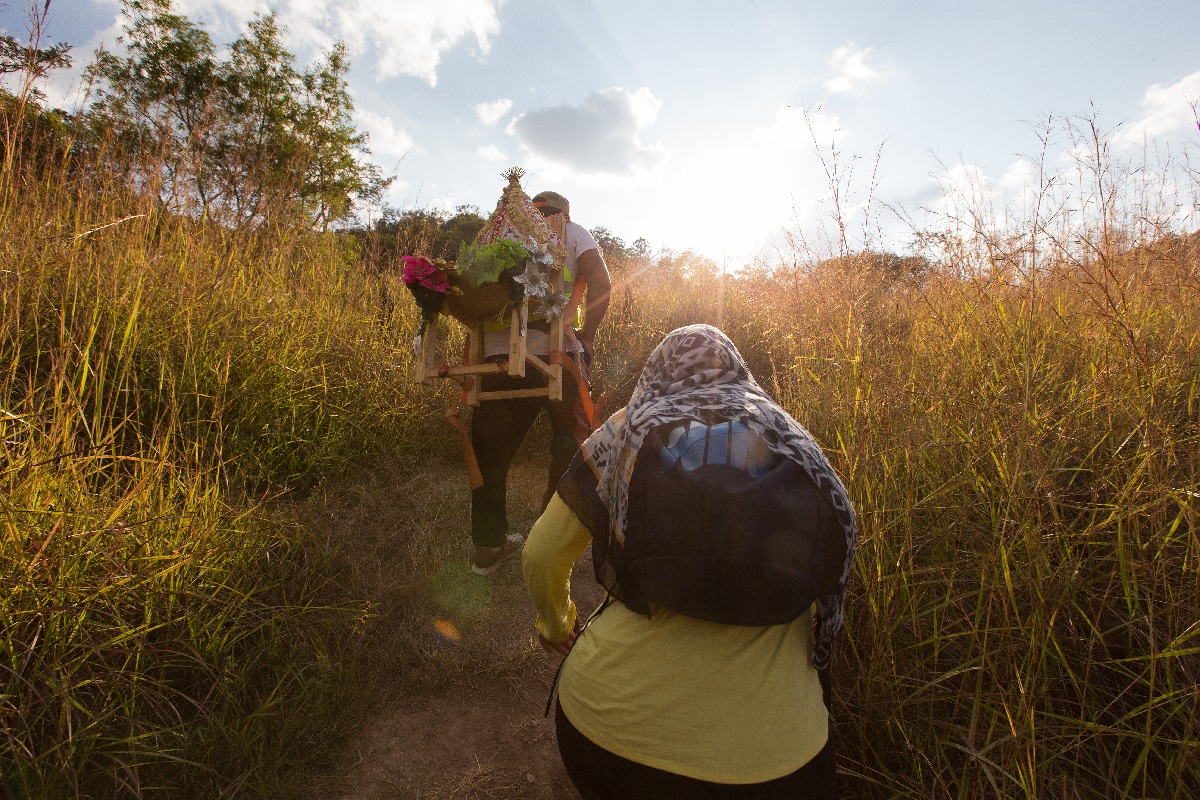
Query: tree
(420, 231)
(32, 60)
(33, 63)
(330, 145)
(688, 265)
(460, 228)
(256, 148)
(240, 138)
(612, 246)
(159, 99)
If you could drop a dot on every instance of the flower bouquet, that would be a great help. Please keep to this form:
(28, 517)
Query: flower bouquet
(429, 282)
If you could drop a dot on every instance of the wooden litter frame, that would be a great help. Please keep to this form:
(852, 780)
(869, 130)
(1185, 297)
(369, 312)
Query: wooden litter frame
(472, 308)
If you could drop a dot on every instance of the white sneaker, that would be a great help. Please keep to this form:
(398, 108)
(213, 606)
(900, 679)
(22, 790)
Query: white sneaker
(488, 559)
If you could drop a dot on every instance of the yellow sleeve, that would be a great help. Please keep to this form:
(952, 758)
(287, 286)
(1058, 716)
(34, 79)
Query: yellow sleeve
(558, 538)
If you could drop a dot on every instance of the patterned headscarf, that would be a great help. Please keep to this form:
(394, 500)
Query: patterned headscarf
(697, 373)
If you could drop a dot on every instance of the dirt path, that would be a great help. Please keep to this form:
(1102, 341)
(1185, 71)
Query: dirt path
(453, 657)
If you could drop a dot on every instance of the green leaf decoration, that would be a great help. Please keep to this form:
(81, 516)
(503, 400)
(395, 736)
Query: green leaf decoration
(483, 264)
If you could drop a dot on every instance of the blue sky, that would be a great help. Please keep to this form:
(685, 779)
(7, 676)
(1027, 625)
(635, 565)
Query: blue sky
(683, 122)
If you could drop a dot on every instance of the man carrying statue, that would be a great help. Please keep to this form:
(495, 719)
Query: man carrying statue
(499, 426)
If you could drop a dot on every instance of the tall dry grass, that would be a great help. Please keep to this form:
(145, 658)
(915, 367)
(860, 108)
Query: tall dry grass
(1024, 613)
(1015, 410)
(1019, 427)
(1017, 419)
(164, 383)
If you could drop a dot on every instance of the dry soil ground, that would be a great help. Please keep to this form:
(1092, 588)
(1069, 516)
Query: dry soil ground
(459, 682)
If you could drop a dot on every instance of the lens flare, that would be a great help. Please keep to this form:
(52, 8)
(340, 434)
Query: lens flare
(447, 630)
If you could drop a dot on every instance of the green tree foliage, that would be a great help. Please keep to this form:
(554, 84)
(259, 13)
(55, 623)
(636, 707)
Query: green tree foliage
(423, 232)
(612, 245)
(458, 229)
(243, 138)
(256, 148)
(159, 99)
(33, 61)
(329, 143)
(23, 109)
(430, 232)
(619, 256)
(32, 133)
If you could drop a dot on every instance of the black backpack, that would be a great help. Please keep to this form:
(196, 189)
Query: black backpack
(713, 540)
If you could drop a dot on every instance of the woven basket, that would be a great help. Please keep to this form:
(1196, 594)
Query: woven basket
(478, 304)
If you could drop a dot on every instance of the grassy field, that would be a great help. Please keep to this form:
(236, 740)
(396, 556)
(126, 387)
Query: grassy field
(169, 391)
(1016, 417)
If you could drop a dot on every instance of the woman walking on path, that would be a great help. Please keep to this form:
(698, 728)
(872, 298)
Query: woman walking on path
(656, 703)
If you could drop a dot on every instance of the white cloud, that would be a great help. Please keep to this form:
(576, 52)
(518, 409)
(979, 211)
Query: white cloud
(385, 136)
(408, 37)
(1025, 190)
(219, 13)
(645, 107)
(599, 136)
(1021, 175)
(491, 113)
(402, 37)
(1165, 110)
(789, 130)
(967, 195)
(491, 153)
(966, 179)
(852, 69)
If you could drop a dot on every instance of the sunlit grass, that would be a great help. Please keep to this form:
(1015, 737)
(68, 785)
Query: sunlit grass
(1023, 457)
(163, 384)
(1019, 427)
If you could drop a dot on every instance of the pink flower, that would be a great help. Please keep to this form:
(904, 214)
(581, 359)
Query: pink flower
(422, 271)
(437, 283)
(416, 268)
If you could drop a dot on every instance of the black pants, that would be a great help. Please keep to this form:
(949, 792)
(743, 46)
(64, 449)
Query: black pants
(497, 429)
(601, 775)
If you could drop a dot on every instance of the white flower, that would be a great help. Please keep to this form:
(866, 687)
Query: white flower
(534, 280)
(554, 305)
